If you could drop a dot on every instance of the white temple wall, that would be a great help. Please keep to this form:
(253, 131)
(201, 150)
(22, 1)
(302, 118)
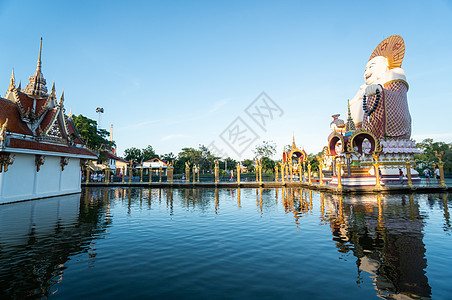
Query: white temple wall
(48, 177)
(71, 176)
(23, 182)
(18, 181)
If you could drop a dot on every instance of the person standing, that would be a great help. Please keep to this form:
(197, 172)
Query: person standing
(437, 175)
(427, 175)
(401, 176)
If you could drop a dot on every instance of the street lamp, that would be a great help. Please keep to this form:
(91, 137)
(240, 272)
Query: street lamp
(99, 110)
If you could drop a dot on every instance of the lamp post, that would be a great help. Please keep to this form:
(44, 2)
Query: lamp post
(100, 111)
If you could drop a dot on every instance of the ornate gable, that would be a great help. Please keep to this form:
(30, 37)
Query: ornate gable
(55, 131)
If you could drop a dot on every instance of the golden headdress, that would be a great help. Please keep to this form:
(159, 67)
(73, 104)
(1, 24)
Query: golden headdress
(393, 48)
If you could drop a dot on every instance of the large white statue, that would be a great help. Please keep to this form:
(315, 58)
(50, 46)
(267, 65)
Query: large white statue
(380, 106)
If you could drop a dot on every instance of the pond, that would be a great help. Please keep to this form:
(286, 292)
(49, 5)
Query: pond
(226, 243)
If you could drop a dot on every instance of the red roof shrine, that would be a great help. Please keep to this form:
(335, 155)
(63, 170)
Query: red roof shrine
(33, 120)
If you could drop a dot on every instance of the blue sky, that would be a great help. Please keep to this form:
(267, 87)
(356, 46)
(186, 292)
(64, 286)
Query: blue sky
(176, 74)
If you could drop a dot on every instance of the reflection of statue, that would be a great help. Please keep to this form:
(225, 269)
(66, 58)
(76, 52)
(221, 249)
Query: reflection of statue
(381, 105)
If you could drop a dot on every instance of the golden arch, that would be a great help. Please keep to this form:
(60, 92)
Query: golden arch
(334, 139)
(357, 138)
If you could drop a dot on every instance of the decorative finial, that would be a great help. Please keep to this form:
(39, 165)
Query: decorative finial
(18, 87)
(70, 113)
(61, 99)
(349, 114)
(12, 81)
(111, 133)
(39, 58)
(350, 126)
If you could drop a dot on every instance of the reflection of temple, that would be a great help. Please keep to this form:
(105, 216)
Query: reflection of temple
(42, 236)
(385, 234)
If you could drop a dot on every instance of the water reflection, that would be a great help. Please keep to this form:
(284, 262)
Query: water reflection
(383, 233)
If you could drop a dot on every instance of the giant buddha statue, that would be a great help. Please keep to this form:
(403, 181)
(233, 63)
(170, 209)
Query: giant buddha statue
(380, 106)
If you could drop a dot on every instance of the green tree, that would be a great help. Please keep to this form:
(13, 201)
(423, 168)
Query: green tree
(266, 149)
(148, 153)
(249, 164)
(268, 165)
(229, 163)
(134, 154)
(427, 157)
(168, 157)
(94, 138)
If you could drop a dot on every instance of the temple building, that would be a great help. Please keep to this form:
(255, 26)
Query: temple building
(41, 152)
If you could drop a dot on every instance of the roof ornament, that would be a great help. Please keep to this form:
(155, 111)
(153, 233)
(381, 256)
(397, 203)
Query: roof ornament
(38, 68)
(70, 113)
(3, 130)
(61, 99)
(37, 84)
(12, 82)
(350, 126)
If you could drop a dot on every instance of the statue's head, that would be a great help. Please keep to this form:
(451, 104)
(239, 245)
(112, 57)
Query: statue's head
(375, 69)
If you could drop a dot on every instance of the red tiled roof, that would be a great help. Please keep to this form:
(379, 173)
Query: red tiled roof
(112, 156)
(73, 130)
(32, 145)
(48, 118)
(9, 110)
(25, 101)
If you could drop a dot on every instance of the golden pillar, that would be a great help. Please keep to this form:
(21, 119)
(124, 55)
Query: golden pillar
(260, 171)
(141, 172)
(238, 174)
(408, 173)
(301, 172)
(309, 173)
(291, 172)
(377, 170)
(199, 171)
(123, 174)
(320, 174)
(238, 198)
(283, 180)
(130, 171)
(187, 172)
(339, 173)
(217, 172)
(150, 173)
(194, 173)
(276, 173)
(88, 169)
(107, 174)
(441, 173)
(257, 170)
(170, 172)
(160, 173)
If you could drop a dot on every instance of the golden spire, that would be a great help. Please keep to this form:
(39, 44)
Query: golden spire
(12, 81)
(294, 146)
(61, 99)
(350, 126)
(349, 114)
(70, 113)
(111, 133)
(37, 84)
(38, 68)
